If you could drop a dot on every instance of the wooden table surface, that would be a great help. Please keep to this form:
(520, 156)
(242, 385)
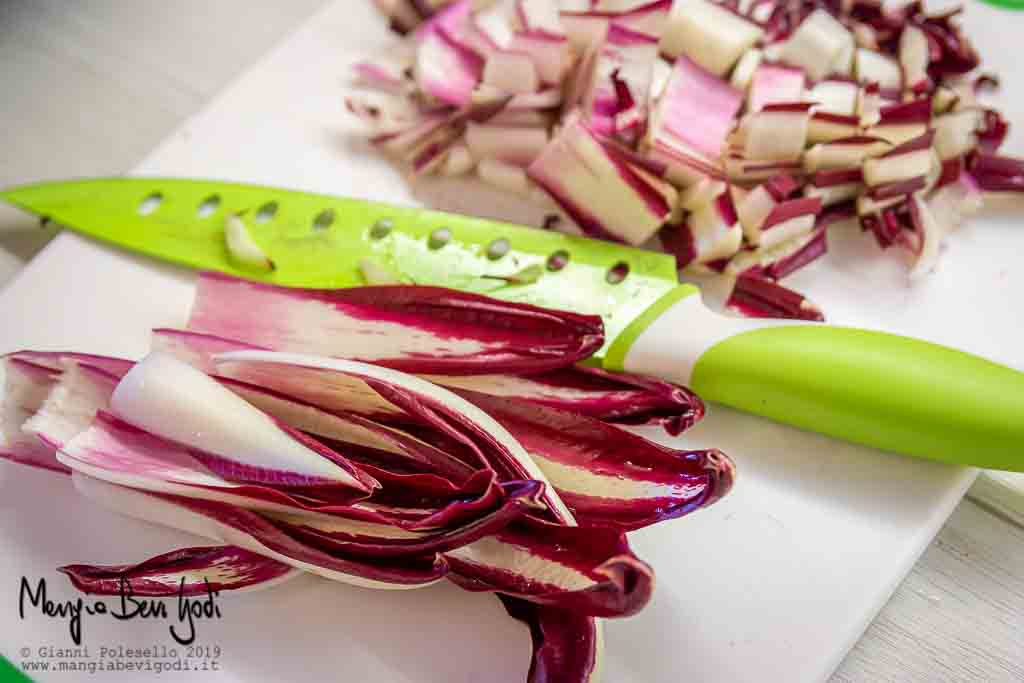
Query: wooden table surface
(90, 87)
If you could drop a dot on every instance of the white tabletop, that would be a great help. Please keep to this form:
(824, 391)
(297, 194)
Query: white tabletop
(91, 87)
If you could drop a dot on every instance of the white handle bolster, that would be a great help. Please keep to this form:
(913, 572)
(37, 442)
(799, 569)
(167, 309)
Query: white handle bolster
(673, 343)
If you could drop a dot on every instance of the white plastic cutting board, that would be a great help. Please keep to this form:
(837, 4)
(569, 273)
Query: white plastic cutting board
(774, 583)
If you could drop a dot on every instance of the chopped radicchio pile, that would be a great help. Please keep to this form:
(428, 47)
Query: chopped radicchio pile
(730, 133)
(387, 437)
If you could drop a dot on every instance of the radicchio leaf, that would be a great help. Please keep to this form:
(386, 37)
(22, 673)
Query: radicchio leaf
(26, 386)
(56, 360)
(346, 536)
(817, 45)
(695, 114)
(446, 69)
(80, 392)
(609, 476)
(567, 647)
(410, 328)
(388, 444)
(613, 397)
(185, 572)
(339, 385)
(178, 402)
(599, 188)
(708, 235)
(758, 298)
(251, 531)
(709, 34)
(775, 84)
(591, 571)
(115, 451)
(995, 173)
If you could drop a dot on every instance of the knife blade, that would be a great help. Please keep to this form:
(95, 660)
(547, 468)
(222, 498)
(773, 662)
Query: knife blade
(319, 241)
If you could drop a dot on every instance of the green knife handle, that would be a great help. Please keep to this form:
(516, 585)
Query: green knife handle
(883, 390)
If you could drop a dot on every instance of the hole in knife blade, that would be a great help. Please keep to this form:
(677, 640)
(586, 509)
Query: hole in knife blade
(497, 248)
(324, 219)
(266, 212)
(617, 273)
(381, 228)
(558, 260)
(208, 206)
(439, 238)
(150, 204)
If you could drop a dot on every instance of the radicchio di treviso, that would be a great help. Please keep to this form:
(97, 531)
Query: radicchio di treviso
(387, 437)
(647, 121)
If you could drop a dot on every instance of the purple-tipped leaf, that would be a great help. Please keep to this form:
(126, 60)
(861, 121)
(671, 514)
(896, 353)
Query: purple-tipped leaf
(775, 83)
(409, 328)
(643, 17)
(386, 444)
(835, 96)
(899, 123)
(372, 391)
(599, 188)
(175, 401)
(591, 571)
(333, 392)
(567, 647)
(612, 397)
(755, 297)
(185, 572)
(26, 386)
(55, 360)
(607, 475)
(339, 535)
(584, 454)
(81, 391)
(117, 452)
(447, 70)
(994, 173)
(783, 259)
(695, 113)
(708, 235)
(826, 127)
(777, 132)
(253, 532)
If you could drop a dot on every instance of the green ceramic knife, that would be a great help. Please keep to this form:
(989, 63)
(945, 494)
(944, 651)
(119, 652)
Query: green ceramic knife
(873, 388)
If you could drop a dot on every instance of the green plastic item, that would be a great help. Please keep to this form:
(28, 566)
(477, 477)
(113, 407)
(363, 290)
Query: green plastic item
(10, 673)
(882, 390)
(1007, 4)
(872, 388)
(317, 240)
